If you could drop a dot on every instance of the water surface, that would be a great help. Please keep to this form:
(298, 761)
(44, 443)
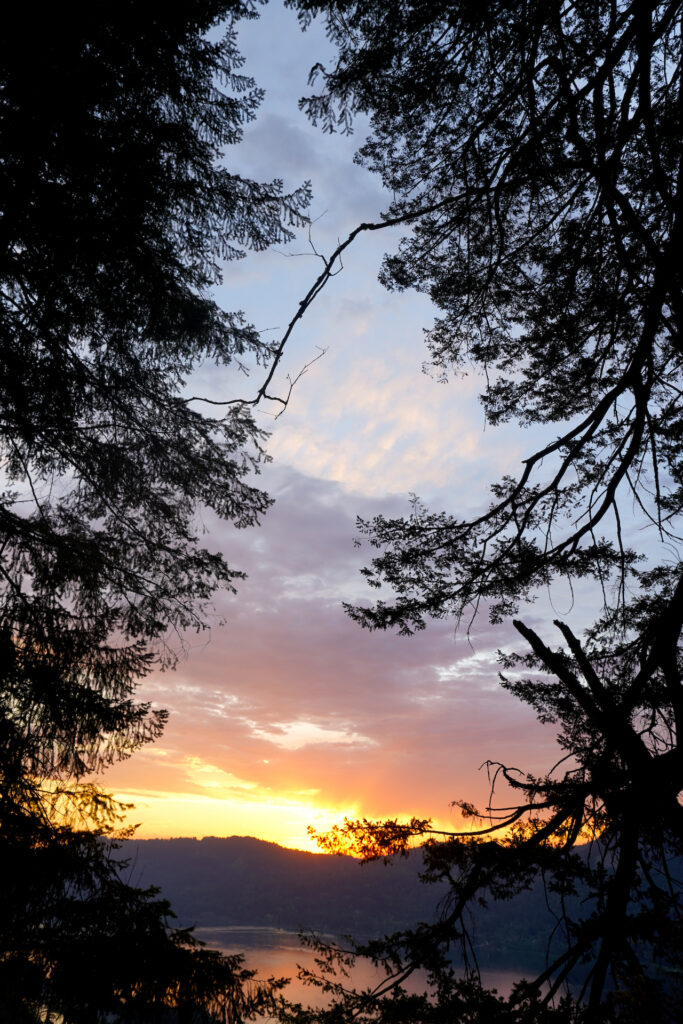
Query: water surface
(276, 953)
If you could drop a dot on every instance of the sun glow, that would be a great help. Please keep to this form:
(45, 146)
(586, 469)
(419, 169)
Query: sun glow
(176, 795)
(284, 821)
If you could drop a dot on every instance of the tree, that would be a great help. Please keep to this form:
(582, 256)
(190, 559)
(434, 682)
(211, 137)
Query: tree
(117, 210)
(542, 144)
(535, 148)
(81, 944)
(601, 829)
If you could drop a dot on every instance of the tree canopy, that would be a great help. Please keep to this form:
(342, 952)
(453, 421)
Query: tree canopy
(535, 148)
(118, 212)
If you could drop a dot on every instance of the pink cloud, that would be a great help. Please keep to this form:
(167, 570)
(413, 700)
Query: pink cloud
(290, 697)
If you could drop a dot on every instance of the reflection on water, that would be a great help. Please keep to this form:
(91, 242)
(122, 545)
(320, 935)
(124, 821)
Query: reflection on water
(278, 954)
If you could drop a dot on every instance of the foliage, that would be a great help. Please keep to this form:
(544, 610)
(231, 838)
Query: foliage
(458, 1000)
(120, 211)
(81, 943)
(600, 829)
(117, 210)
(535, 147)
(541, 141)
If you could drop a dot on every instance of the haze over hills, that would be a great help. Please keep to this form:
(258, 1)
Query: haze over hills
(245, 882)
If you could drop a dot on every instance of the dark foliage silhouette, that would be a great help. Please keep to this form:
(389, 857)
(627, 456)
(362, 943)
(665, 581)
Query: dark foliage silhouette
(117, 212)
(536, 150)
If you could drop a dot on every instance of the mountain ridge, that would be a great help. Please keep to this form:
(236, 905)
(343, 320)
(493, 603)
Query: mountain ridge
(244, 882)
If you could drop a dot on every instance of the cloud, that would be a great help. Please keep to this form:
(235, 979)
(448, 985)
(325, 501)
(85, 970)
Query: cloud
(289, 713)
(295, 735)
(290, 696)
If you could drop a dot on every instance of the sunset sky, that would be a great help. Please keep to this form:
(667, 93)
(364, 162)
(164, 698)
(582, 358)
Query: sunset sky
(289, 714)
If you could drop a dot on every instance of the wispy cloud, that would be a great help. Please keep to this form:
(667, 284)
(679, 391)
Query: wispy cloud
(290, 714)
(296, 735)
(291, 697)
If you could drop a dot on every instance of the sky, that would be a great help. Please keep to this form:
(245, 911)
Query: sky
(288, 714)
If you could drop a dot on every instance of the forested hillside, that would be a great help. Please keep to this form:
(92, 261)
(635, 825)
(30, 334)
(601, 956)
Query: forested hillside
(246, 882)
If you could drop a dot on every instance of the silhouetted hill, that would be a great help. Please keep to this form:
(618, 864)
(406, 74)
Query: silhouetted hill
(246, 882)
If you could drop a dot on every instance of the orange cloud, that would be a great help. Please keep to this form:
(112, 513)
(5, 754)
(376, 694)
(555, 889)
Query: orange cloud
(291, 715)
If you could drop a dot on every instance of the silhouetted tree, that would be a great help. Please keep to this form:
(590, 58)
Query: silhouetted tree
(602, 830)
(116, 212)
(82, 943)
(536, 149)
(542, 143)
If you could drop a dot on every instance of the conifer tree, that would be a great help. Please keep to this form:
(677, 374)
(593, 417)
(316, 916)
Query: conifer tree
(118, 211)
